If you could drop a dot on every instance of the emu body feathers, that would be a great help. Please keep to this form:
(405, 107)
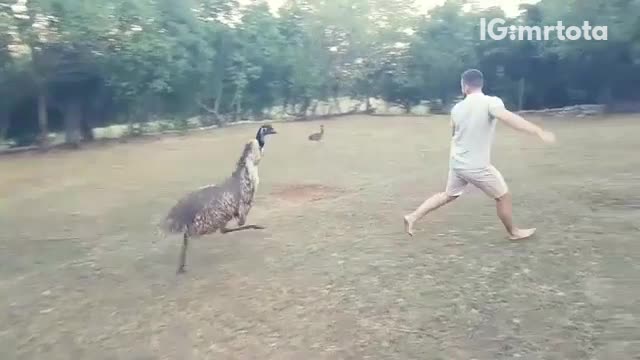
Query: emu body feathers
(317, 136)
(210, 208)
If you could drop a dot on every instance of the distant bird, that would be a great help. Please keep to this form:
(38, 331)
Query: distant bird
(210, 208)
(317, 136)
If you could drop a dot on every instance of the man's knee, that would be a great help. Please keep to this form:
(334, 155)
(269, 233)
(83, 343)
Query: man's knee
(449, 197)
(504, 197)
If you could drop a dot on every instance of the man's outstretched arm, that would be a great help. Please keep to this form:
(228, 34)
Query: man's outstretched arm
(516, 122)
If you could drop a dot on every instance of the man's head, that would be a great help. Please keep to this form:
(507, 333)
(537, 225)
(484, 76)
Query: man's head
(472, 80)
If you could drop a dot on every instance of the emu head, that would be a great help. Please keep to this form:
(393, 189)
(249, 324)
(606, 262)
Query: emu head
(263, 132)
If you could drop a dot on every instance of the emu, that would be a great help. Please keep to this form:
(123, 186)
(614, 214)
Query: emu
(317, 136)
(210, 208)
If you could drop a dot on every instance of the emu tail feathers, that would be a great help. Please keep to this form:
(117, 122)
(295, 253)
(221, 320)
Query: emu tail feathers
(172, 225)
(183, 213)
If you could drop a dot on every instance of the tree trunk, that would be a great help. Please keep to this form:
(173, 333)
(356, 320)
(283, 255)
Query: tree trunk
(43, 121)
(218, 96)
(220, 69)
(407, 108)
(216, 105)
(285, 100)
(336, 101)
(88, 122)
(4, 123)
(238, 113)
(87, 131)
(521, 90)
(73, 123)
(335, 94)
(305, 106)
(237, 104)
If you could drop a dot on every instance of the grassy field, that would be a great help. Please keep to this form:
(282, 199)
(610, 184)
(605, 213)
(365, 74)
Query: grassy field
(84, 274)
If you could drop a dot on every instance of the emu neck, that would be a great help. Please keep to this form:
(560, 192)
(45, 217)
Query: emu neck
(248, 160)
(260, 139)
(237, 173)
(248, 171)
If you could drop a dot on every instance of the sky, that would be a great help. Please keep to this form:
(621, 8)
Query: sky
(509, 6)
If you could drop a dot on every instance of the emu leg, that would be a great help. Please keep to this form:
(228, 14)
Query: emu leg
(245, 227)
(183, 253)
(224, 229)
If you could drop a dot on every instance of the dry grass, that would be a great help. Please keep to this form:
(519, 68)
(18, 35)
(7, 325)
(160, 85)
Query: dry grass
(84, 275)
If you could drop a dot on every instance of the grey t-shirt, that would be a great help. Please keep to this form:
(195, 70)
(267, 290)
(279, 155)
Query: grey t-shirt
(474, 126)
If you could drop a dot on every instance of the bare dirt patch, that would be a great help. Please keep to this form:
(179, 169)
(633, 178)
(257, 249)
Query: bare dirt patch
(300, 193)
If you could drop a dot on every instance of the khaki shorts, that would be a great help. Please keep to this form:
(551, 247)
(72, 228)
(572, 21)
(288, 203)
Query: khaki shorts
(489, 180)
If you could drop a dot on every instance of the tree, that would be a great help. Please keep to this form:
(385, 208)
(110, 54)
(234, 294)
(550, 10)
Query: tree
(136, 60)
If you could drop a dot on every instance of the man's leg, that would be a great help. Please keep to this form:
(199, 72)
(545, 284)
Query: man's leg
(493, 184)
(455, 187)
(505, 213)
(434, 202)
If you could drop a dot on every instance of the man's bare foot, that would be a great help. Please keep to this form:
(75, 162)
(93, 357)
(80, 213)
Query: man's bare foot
(408, 225)
(521, 234)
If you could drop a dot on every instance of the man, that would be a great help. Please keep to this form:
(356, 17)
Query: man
(474, 121)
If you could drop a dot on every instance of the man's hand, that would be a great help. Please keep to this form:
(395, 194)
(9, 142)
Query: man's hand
(547, 136)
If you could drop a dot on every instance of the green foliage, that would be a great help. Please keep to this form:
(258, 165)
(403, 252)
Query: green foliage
(176, 59)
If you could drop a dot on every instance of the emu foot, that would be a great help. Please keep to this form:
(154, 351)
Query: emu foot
(181, 270)
(241, 228)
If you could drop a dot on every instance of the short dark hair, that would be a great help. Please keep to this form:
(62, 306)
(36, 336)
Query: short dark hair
(473, 78)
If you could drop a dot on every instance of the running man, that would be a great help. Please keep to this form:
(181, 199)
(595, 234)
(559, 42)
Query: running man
(474, 121)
